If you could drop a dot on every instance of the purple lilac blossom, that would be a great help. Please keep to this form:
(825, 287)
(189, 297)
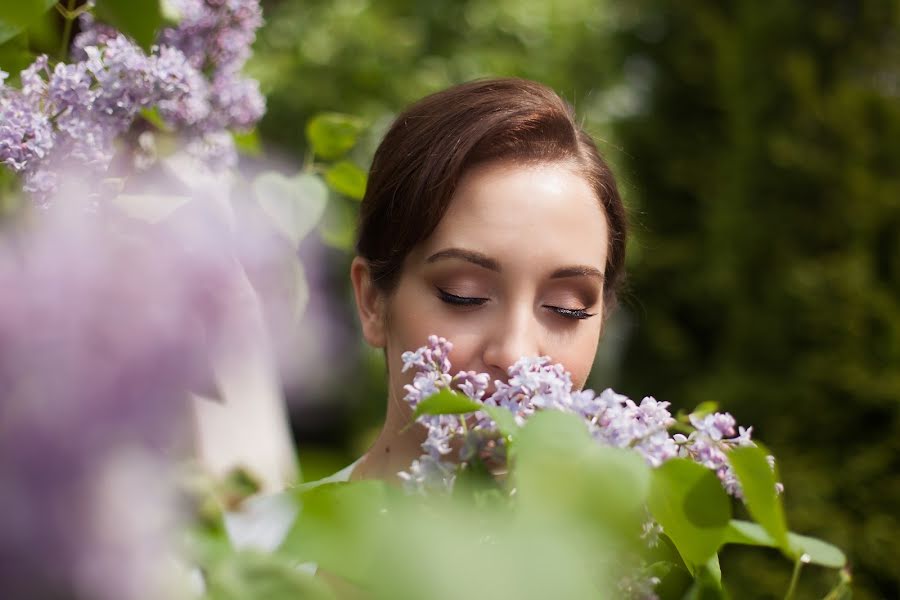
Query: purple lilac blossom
(76, 112)
(101, 337)
(26, 134)
(535, 383)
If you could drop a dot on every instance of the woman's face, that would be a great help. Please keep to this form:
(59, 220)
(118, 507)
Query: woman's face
(514, 268)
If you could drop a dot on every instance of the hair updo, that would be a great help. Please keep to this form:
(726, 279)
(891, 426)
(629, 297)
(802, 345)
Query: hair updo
(432, 144)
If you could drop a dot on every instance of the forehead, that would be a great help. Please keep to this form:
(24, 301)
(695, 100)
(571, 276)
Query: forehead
(515, 212)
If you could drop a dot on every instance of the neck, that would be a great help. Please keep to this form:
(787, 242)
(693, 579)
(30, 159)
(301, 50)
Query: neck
(398, 444)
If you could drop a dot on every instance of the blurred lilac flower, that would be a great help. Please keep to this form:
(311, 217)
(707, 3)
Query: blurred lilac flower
(102, 335)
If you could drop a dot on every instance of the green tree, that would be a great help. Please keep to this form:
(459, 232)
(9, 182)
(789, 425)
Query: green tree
(766, 268)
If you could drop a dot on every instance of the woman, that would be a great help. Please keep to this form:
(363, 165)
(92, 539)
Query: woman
(490, 219)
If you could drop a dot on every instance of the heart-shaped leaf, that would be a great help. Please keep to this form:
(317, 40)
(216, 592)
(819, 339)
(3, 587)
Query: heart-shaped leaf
(293, 204)
(689, 503)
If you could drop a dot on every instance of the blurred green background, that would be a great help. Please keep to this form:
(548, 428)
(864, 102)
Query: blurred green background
(758, 149)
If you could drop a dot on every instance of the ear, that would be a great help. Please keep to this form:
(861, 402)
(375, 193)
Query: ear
(370, 303)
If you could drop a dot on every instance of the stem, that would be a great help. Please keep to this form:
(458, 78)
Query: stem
(308, 162)
(795, 577)
(69, 15)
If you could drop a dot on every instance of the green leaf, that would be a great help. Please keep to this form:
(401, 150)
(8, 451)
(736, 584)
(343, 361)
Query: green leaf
(331, 135)
(689, 503)
(152, 116)
(8, 32)
(19, 14)
(248, 142)
(706, 586)
(348, 179)
(446, 402)
(819, 552)
(714, 568)
(506, 422)
(15, 56)
(138, 19)
(254, 575)
(758, 483)
(338, 228)
(560, 472)
(293, 204)
(705, 408)
(339, 527)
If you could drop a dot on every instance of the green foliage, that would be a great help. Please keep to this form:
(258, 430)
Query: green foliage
(564, 523)
(248, 142)
(562, 473)
(372, 58)
(758, 483)
(506, 422)
(138, 19)
(22, 13)
(251, 575)
(340, 528)
(445, 402)
(687, 499)
(332, 135)
(18, 22)
(348, 179)
(338, 227)
(765, 263)
(819, 552)
(758, 158)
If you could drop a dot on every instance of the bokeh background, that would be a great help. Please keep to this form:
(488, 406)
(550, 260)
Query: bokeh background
(757, 146)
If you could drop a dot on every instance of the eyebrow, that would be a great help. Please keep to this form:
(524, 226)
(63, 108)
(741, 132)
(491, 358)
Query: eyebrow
(486, 262)
(577, 271)
(477, 258)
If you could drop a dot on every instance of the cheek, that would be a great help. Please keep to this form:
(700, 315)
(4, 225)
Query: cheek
(578, 356)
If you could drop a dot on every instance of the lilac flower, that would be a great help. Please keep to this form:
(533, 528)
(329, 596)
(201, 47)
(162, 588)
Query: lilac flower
(214, 34)
(429, 475)
(535, 383)
(79, 111)
(26, 134)
(238, 101)
(101, 338)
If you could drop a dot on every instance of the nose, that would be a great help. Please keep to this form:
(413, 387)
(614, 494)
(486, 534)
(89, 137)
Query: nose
(515, 335)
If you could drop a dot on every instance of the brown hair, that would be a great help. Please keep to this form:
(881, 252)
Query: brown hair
(431, 145)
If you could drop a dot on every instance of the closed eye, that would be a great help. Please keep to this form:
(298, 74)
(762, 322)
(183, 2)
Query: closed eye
(460, 300)
(571, 313)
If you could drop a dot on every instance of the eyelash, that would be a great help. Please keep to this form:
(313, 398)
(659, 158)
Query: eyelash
(571, 313)
(460, 300)
(568, 313)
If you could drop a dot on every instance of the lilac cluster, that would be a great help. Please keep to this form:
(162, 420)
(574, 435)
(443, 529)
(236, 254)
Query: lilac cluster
(534, 383)
(713, 435)
(432, 364)
(97, 354)
(77, 111)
